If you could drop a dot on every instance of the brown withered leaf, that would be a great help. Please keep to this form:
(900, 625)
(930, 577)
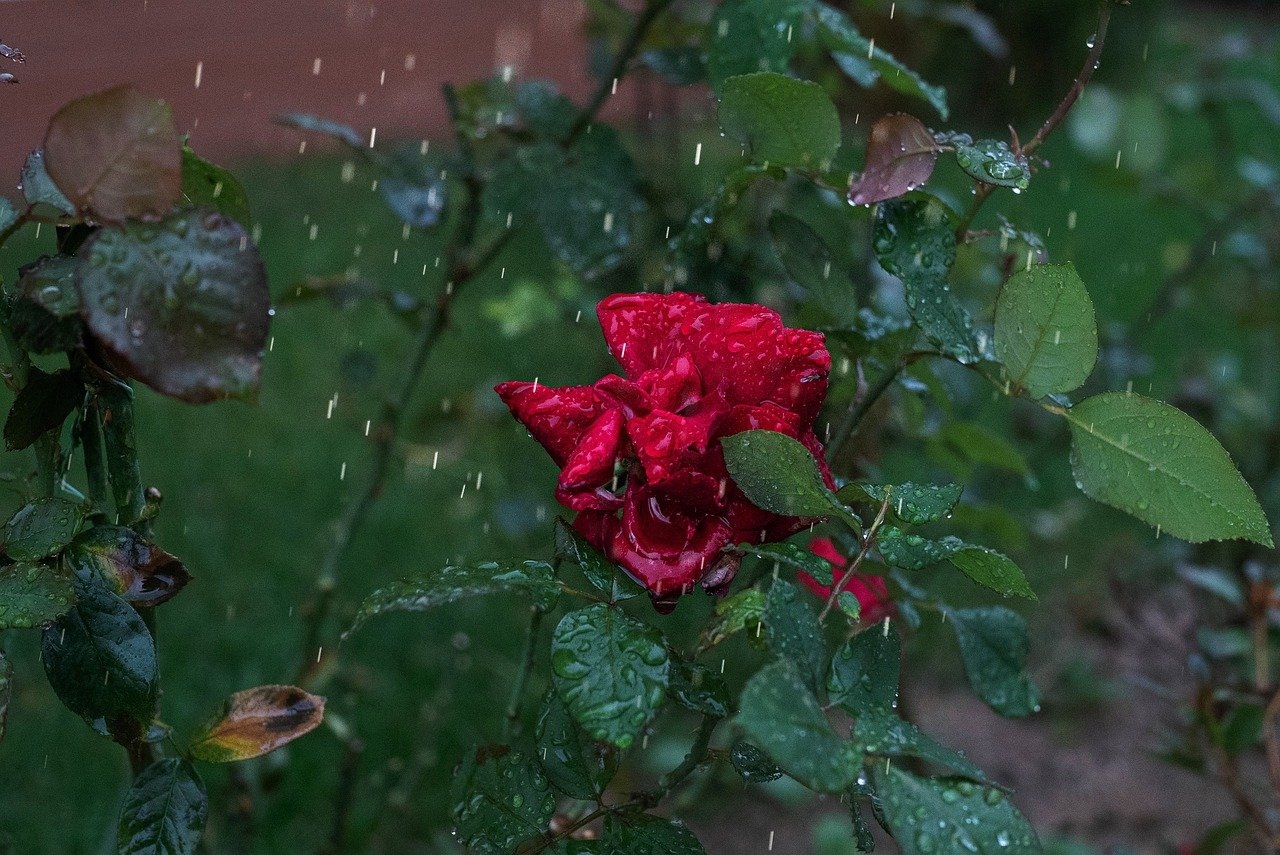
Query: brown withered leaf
(116, 155)
(900, 157)
(258, 721)
(139, 572)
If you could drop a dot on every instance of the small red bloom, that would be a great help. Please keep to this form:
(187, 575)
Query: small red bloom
(640, 456)
(871, 591)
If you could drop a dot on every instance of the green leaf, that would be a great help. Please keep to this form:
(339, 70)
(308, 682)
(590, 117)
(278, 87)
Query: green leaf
(257, 721)
(778, 713)
(42, 405)
(611, 670)
(778, 474)
(544, 109)
(575, 765)
(1242, 728)
(733, 614)
(32, 594)
(602, 573)
(783, 121)
(912, 503)
(866, 63)
(746, 36)
(807, 259)
(696, 688)
(8, 214)
(795, 556)
(984, 566)
(931, 815)
(500, 800)
(6, 692)
(993, 162)
(881, 732)
(165, 810)
(45, 311)
(41, 528)
(914, 240)
(100, 659)
(116, 154)
(793, 632)
(307, 122)
(207, 185)
(900, 156)
(634, 833)
(38, 188)
(417, 202)
(993, 644)
(864, 671)
(751, 763)
(198, 307)
(980, 444)
(1157, 463)
(1045, 333)
(430, 589)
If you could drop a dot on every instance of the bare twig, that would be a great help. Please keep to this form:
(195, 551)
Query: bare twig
(522, 677)
(868, 542)
(862, 404)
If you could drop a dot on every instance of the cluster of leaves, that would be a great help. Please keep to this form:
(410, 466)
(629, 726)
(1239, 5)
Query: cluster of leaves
(155, 280)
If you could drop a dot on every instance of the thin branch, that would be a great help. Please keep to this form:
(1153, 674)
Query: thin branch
(862, 404)
(522, 677)
(696, 757)
(868, 542)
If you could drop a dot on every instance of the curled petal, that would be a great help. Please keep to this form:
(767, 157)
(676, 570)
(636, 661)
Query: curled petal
(557, 418)
(591, 463)
(664, 549)
(667, 444)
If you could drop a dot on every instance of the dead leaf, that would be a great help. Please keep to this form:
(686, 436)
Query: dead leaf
(258, 721)
(900, 157)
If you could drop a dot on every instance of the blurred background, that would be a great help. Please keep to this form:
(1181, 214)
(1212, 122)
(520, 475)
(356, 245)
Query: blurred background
(1162, 190)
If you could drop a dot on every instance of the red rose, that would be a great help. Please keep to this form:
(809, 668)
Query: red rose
(640, 457)
(871, 591)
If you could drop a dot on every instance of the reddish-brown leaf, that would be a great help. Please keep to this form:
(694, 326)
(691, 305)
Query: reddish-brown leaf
(116, 155)
(138, 571)
(900, 157)
(258, 721)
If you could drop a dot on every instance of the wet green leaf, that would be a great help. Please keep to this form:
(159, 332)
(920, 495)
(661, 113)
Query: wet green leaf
(993, 644)
(573, 763)
(1045, 333)
(935, 815)
(912, 503)
(864, 671)
(881, 732)
(779, 714)
(984, 566)
(914, 240)
(1157, 463)
(544, 109)
(900, 156)
(451, 583)
(794, 556)
(8, 214)
(165, 810)
(182, 304)
(41, 528)
(42, 405)
(751, 763)
(45, 311)
(793, 632)
(733, 614)
(642, 834)
(698, 689)
(746, 36)
(100, 659)
(993, 162)
(205, 185)
(418, 203)
(116, 155)
(257, 721)
(865, 62)
(33, 594)
(307, 122)
(501, 799)
(599, 570)
(778, 474)
(782, 121)
(611, 670)
(807, 259)
(38, 188)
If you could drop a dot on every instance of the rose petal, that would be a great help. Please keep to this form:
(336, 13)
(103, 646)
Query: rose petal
(643, 331)
(664, 549)
(557, 418)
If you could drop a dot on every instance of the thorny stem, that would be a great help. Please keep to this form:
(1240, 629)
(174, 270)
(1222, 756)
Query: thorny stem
(696, 757)
(868, 541)
(522, 677)
(982, 191)
(644, 20)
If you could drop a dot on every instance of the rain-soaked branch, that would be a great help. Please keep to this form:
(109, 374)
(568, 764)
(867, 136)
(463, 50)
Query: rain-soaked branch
(522, 677)
(862, 404)
(868, 541)
(982, 191)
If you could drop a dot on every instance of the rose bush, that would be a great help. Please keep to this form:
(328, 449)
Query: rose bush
(640, 458)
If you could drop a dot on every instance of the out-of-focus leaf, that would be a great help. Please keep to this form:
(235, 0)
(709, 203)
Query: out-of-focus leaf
(501, 799)
(8, 214)
(32, 594)
(901, 153)
(182, 305)
(783, 121)
(914, 240)
(640, 833)
(257, 721)
(779, 714)
(1158, 464)
(1045, 332)
(611, 670)
(100, 659)
(42, 405)
(306, 122)
(807, 259)
(980, 444)
(140, 572)
(45, 311)
(6, 692)
(544, 109)
(1215, 581)
(993, 644)
(747, 36)
(38, 188)
(205, 185)
(116, 155)
(41, 528)
(680, 65)
(164, 812)
(417, 203)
